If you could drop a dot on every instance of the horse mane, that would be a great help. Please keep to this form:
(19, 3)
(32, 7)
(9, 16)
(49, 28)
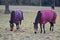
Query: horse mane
(12, 15)
(38, 17)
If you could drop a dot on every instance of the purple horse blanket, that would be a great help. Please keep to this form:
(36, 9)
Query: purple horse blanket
(48, 16)
(45, 16)
(16, 16)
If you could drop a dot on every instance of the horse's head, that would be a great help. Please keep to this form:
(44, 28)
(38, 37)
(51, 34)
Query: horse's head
(35, 25)
(11, 19)
(11, 25)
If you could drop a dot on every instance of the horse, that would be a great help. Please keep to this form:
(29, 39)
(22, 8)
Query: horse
(43, 17)
(16, 17)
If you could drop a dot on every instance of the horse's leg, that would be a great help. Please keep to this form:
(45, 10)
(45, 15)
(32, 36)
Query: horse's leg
(11, 27)
(51, 26)
(44, 27)
(17, 26)
(41, 28)
(20, 22)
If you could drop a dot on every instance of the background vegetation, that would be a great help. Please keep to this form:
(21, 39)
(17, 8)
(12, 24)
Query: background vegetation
(31, 2)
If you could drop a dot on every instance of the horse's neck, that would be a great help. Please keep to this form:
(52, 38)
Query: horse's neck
(36, 21)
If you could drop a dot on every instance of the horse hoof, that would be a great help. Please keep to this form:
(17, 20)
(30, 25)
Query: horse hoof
(35, 32)
(11, 30)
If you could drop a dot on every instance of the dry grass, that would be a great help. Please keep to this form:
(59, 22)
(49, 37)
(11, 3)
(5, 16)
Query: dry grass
(27, 25)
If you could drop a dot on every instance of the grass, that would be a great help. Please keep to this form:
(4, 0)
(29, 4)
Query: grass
(27, 23)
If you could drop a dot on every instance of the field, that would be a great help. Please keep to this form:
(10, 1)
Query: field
(27, 30)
